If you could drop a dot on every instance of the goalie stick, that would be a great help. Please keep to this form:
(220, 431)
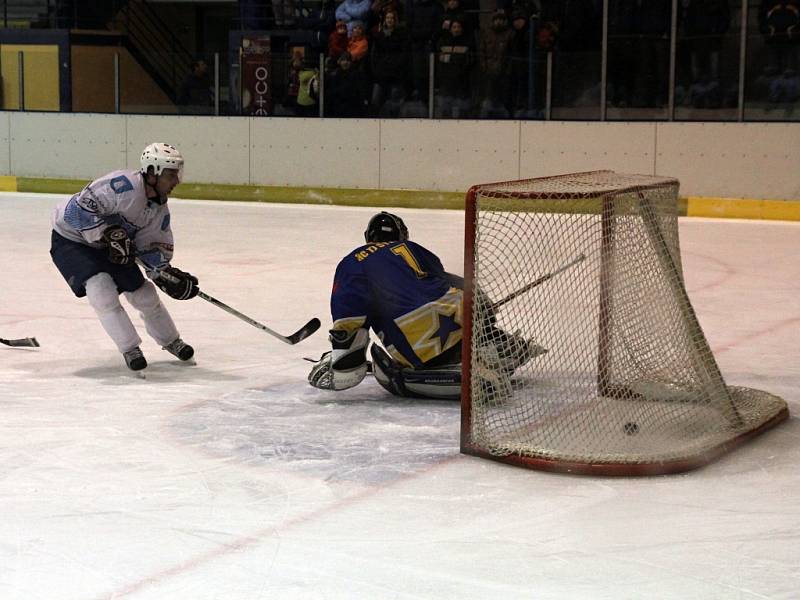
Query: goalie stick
(29, 342)
(540, 280)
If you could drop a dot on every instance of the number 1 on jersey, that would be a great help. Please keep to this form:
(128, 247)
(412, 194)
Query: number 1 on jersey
(404, 252)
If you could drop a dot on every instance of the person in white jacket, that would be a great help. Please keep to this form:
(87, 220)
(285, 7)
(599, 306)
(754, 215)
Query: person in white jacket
(100, 233)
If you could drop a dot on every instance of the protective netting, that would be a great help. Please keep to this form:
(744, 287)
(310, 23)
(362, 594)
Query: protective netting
(628, 384)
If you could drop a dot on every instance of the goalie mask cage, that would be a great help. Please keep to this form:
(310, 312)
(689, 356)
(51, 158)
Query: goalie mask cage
(629, 385)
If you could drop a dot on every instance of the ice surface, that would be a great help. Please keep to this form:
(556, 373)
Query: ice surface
(233, 479)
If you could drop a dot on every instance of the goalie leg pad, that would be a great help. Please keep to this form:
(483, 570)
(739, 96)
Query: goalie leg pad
(443, 383)
(495, 385)
(101, 291)
(346, 365)
(508, 351)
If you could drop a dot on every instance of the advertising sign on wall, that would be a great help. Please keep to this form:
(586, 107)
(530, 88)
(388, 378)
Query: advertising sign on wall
(256, 68)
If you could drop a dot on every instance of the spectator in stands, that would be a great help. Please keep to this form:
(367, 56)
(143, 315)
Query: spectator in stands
(779, 23)
(308, 90)
(455, 57)
(293, 85)
(337, 41)
(378, 10)
(423, 18)
(452, 12)
(321, 20)
(351, 11)
(346, 91)
(358, 44)
(578, 22)
(521, 55)
(195, 96)
(578, 31)
(529, 7)
(493, 58)
(283, 13)
(703, 24)
(388, 61)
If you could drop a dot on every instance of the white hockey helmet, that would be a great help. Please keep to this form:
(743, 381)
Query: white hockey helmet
(162, 156)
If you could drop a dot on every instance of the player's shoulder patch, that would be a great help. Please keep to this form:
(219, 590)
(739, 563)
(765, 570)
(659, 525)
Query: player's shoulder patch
(120, 184)
(88, 200)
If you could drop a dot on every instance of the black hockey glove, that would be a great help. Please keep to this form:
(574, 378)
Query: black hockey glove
(120, 247)
(176, 283)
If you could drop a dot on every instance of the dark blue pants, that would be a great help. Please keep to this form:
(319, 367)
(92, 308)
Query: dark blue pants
(78, 263)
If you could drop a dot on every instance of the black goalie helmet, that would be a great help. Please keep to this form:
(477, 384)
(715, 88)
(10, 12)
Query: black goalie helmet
(386, 227)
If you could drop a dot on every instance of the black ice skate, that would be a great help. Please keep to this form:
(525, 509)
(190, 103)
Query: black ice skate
(180, 349)
(135, 359)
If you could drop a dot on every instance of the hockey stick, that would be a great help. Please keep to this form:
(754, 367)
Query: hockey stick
(298, 336)
(495, 305)
(21, 343)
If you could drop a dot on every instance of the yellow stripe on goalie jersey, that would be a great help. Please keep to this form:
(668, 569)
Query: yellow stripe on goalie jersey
(399, 358)
(422, 327)
(349, 324)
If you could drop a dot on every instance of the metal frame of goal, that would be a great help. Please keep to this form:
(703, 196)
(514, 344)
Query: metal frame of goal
(588, 266)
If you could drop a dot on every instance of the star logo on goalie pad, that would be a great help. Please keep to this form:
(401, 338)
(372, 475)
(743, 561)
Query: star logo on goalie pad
(447, 325)
(433, 327)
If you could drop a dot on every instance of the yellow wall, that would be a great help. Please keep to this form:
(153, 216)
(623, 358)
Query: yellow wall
(41, 76)
(93, 82)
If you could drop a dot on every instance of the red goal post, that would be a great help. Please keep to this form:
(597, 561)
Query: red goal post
(628, 385)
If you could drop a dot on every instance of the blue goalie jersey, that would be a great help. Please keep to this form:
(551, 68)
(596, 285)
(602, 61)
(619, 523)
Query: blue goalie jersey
(402, 292)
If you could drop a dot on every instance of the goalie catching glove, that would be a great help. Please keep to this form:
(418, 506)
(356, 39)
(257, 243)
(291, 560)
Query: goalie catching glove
(176, 283)
(120, 247)
(344, 366)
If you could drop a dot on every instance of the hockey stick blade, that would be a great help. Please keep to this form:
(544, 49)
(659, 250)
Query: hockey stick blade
(305, 331)
(298, 336)
(21, 343)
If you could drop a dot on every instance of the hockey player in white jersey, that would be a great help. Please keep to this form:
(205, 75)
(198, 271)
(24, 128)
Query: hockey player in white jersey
(100, 232)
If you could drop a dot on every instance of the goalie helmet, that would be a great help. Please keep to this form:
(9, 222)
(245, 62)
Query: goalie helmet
(386, 227)
(161, 156)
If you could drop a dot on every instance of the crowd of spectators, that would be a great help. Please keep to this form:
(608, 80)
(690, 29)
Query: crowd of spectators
(489, 62)
(377, 57)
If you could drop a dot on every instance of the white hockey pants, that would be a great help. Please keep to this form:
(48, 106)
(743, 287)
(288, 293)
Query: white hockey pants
(104, 298)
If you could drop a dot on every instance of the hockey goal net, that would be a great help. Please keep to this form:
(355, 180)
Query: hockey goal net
(588, 266)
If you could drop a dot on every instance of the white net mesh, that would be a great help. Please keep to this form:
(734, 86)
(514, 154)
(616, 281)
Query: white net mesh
(628, 377)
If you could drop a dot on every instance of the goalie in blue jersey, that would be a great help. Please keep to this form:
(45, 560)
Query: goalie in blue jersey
(400, 290)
